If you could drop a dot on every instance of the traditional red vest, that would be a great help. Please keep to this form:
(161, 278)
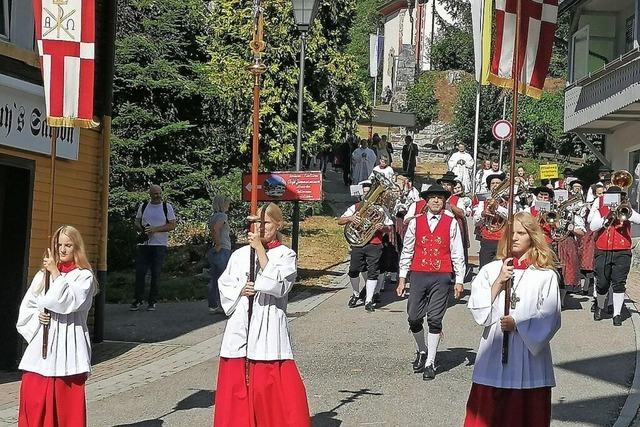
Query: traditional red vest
(491, 235)
(545, 227)
(613, 238)
(377, 238)
(453, 200)
(420, 205)
(432, 250)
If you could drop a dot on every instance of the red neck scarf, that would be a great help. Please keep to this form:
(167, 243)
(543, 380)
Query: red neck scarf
(65, 267)
(272, 244)
(521, 265)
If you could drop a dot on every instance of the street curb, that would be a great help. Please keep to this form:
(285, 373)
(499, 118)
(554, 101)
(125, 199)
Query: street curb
(631, 405)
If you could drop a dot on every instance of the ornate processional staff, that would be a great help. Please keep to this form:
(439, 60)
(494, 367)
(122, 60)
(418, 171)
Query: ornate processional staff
(258, 68)
(512, 172)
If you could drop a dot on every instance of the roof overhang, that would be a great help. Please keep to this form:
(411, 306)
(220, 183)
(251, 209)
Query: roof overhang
(385, 118)
(392, 7)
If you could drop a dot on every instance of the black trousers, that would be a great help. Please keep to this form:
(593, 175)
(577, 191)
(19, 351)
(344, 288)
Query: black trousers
(488, 251)
(612, 269)
(149, 258)
(428, 297)
(366, 258)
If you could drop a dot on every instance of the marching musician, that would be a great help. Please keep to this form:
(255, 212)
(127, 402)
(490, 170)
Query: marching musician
(489, 236)
(457, 206)
(542, 194)
(518, 393)
(613, 251)
(565, 182)
(604, 174)
(365, 258)
(433, 252)
(588, 246)
(383, 167)
(52, 392)
(275, 394)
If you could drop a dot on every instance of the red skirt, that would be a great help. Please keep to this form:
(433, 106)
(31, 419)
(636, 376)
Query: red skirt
(275, 397)
(568, 255)
(587, 251)
(496, 407)
(52, 401)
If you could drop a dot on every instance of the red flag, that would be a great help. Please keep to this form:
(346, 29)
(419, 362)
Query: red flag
(65, 34)
(537, 30)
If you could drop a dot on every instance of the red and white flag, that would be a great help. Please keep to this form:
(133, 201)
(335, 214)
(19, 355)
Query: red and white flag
(65, 34)
(537, 30)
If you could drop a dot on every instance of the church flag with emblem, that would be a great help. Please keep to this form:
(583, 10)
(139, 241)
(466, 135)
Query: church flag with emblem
(65, 35)
(537, 31)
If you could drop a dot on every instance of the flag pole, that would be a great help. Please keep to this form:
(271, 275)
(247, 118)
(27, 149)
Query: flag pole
(515, 74)
(52, 189)
(476, 137)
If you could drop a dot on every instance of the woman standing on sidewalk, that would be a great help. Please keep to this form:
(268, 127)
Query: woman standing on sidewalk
(52, 389)
(220, 251)
(275, 394)
(518, 393)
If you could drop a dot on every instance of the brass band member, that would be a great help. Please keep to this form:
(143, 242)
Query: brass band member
(488, 213)
(433, 252)
(365, 258)
(567, 245)
(613, 252)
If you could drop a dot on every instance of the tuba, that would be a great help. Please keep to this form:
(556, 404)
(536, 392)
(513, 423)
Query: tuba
(493, 220)
(373, 210)
(624, 180)
(562, 217)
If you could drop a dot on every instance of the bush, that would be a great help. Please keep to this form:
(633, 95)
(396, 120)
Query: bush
(421, 99)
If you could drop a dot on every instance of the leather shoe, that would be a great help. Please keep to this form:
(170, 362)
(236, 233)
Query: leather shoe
(369, 307)
(597, 314)
(617, 320)
(429, 373)
(418, 364)
(353, 301)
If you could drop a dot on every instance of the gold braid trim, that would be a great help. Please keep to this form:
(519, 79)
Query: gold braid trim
(70, 122)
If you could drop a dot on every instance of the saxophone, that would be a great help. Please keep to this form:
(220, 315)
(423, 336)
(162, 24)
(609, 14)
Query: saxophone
(373, 210)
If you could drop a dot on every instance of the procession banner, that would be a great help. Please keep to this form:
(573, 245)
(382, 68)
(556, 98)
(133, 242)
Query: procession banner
(537, 32)
(376, 49)
(304, 186)
(482, 16)
(65, 35)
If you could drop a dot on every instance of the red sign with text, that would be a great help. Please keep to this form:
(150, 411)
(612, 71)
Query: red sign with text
(305, 186)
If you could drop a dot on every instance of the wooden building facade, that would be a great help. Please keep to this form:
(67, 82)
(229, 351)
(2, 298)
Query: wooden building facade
(81, 182)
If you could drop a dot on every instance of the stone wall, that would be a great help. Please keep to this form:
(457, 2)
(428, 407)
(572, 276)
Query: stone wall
(405, 77)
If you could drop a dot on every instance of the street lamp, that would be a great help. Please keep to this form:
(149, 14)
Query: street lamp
(304, 11)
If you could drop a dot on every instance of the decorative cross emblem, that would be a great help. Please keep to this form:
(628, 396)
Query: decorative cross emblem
(514, 300)
(61, 21)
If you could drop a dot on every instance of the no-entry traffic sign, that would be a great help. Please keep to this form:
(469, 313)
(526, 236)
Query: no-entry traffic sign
(502, 130)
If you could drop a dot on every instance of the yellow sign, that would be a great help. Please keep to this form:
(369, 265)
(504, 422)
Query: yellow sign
(549, 171)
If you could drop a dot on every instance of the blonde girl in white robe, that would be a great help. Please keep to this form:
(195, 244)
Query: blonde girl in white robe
(525, 381)
(52, 390)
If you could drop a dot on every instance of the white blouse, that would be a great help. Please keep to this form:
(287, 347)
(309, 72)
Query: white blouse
(537, 318)
(269, 334)
(69, 299)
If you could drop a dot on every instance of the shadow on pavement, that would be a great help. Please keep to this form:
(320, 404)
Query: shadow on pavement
(201, 399)
(101, 352)
(9, 377)
(585, 412)
(454, 357)
(328, 418)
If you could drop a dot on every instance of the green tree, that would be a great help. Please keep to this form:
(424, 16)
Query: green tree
(421, 99)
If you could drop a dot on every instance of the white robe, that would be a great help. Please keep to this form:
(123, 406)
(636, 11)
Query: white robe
(363, 160)
(537, 317)
(69, 299)
(463, 171)
(269, 334)
(387, 171)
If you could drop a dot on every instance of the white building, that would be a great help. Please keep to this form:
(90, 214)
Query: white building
(403, 29)
(603, 91)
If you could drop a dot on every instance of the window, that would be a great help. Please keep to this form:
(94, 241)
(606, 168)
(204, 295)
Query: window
(580, 49)
(4, 18)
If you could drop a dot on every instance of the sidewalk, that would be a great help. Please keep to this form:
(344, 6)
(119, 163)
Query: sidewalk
(167, 342)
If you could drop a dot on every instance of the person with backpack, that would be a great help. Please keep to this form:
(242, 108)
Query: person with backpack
(154, 220)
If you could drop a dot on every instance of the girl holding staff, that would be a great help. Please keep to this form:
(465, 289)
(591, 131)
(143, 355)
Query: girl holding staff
(517, 393)
(52, 392)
